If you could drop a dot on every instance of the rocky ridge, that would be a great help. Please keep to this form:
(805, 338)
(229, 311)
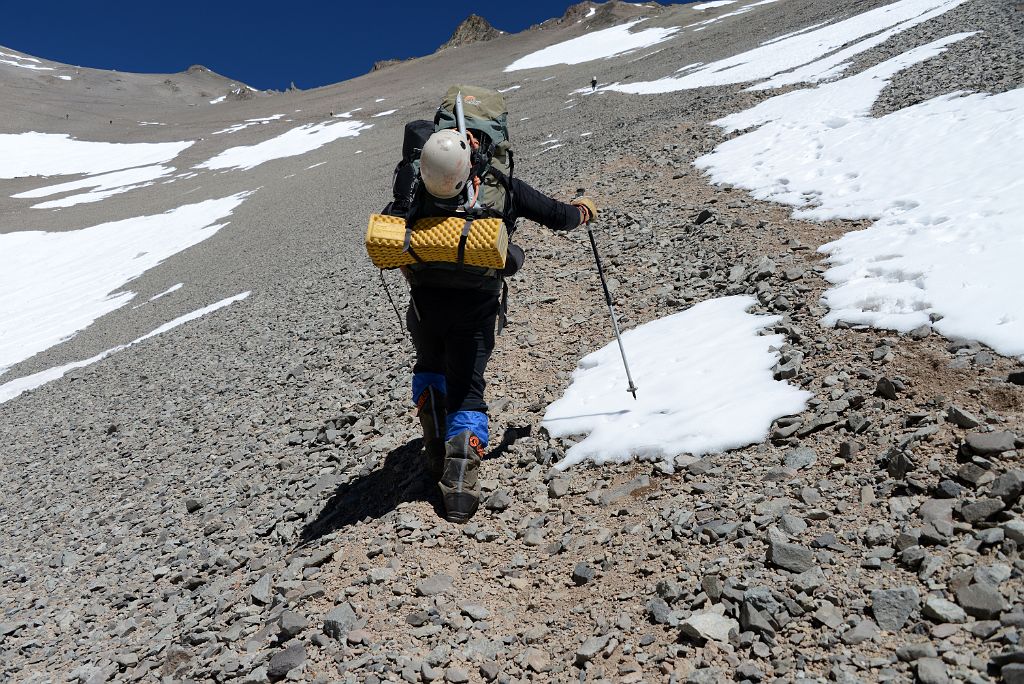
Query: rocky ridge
(473, 29)
(602, 14)
(385, 63)
(247, 503)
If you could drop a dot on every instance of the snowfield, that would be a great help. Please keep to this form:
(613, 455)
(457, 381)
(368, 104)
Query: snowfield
(39, 309)
(946, 247)
(704, 385)
(944, 180)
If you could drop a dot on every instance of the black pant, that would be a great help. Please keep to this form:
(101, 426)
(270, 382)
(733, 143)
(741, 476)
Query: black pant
(453, 331)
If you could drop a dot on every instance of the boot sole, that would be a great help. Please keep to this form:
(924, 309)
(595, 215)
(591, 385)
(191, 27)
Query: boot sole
(459, 508)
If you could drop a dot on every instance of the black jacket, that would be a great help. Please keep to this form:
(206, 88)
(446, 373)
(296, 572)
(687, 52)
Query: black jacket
(534, 205)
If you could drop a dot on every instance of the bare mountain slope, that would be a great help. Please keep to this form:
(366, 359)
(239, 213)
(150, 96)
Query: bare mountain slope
(36, 91)
(240, 498)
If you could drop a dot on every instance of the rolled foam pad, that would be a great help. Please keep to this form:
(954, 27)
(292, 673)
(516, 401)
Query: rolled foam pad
(436, 239)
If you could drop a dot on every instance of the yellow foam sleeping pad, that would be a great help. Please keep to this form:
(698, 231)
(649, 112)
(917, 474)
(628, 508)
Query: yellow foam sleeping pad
(436, 239)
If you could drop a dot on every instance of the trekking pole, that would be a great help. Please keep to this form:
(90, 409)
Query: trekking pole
(615, 321)
(391, 299)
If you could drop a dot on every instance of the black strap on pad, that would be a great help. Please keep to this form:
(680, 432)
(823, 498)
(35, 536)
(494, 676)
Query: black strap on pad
(407, 243)
(462, 240)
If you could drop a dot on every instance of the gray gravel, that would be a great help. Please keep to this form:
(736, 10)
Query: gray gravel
(243, 499)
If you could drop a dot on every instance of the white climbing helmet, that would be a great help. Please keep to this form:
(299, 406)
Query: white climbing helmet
(445, 163)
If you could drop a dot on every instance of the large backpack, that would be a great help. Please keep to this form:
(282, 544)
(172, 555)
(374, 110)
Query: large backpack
(486, 118)
(405, 184)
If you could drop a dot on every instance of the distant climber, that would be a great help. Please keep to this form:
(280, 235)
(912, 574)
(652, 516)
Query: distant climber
(593, 84)
(454, 306)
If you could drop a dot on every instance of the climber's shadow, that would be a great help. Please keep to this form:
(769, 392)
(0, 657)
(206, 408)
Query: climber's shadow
(401, 478)
(507, 440)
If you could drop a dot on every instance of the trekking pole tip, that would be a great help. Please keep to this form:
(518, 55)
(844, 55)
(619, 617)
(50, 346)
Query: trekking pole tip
(632, 390)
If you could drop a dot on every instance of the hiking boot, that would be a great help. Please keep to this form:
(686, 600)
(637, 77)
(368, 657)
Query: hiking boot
(433, 417)
(460, 486)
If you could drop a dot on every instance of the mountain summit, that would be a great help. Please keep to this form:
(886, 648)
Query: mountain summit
(474, 29)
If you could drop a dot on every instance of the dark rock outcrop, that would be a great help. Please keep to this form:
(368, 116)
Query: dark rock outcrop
(474, 29)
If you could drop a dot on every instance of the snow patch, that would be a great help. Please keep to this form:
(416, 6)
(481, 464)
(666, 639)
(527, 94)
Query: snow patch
(386, 112)
(172, 288)
(14, 388)
(289, 144)
(838, 62)
(248, 123)
(773, 58)
(649, 54)
(23, 62)
(784, 36)
(53, 285)
(701, 6)
(742, 10)
(704, 385)
(597, 45)
(103, 186)
(23, 58)
(58, 154)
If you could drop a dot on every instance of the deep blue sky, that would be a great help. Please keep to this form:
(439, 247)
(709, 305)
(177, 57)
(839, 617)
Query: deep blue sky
(264, 44)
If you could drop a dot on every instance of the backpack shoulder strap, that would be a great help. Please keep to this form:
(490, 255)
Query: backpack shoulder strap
(508, 211)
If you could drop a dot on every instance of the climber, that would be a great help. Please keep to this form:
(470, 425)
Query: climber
(454, 307)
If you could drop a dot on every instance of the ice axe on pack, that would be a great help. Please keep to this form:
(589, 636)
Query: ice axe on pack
(460, 122)
(608, 299)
